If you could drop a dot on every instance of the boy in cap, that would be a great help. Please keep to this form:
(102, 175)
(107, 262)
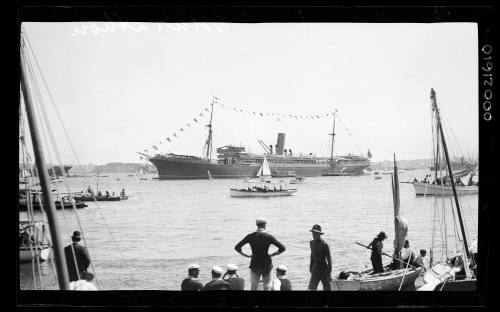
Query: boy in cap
(376, 256)
(192, 282)
(320, 265)
(260, 263)
(217, 282)
(237, 283)
(281, 282)
(77, 257)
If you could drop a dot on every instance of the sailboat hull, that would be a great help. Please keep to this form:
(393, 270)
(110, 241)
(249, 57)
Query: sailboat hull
(388, 281)
(446, 190)
(26, 254)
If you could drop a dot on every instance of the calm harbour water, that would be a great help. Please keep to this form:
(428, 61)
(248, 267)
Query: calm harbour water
(147, 241)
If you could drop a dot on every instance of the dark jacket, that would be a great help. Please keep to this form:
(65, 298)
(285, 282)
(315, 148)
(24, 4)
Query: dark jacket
(376, 246)
(191, 284)
(285, 284)
(82, 258)
(320, 256)
(218, 285)
(237, 283)
(259, 242)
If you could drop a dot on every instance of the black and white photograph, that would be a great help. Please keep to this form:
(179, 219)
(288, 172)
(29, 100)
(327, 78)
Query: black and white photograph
(205, 155)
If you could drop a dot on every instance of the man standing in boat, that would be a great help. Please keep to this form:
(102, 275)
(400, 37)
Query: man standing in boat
(320, 265)
(77, 257)
(377, 251)
(260, 263)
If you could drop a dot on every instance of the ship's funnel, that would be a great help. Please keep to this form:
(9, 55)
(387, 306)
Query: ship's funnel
(280, 145)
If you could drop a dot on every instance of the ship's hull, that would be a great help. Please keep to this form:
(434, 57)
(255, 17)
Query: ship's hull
(172, 169)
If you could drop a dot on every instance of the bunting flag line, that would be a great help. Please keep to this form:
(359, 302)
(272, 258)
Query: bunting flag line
(279, 117)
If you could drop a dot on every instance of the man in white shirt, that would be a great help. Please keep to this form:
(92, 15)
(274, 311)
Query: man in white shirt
(407, 254)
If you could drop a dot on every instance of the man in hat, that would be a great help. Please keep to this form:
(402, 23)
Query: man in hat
(260, 263)
(231, 275)
(77, 257)
(377, 251)
(320, 265)
(192, 282)
(281, 282)
(217, 283)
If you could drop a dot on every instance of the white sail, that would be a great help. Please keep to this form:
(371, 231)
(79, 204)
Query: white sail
(266, 172)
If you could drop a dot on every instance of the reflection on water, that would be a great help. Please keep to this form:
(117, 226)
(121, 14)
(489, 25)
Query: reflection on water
(147, 241)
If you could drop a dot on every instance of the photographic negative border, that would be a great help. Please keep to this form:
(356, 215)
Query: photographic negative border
(481, 13)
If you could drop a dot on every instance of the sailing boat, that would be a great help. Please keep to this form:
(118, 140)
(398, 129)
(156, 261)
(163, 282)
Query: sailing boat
(29, 91)
(441, 184)
(395, 276)
(264, 172)
(458, 272)
(60, 259)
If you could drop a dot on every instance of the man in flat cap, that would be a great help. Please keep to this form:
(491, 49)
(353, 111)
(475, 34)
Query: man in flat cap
(217, 283)
(77, 257)
(377, 251)
(191, 283)
(260, 263)
(320, 265)
(231, 275)
(281, 283)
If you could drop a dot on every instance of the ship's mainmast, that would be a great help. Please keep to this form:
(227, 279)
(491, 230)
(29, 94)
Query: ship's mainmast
(333, 138)
(209, 140)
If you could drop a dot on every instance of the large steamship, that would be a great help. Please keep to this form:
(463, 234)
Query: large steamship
(234, 162)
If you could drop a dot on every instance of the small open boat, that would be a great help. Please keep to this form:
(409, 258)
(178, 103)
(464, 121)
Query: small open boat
(297, 180)
(86, 198)
(253, 193)
(262, 189)
(33, 242)
(390, 280)
(422, 188)
(23, 205)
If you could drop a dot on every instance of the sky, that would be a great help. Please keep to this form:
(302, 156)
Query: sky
(121, 88)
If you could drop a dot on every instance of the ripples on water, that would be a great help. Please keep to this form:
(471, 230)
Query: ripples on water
(147, 241)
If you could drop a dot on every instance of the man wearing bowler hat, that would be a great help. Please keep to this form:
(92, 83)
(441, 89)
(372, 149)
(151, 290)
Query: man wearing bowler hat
(191, 282)
(77, 257)
(260, 263)
(320, 265)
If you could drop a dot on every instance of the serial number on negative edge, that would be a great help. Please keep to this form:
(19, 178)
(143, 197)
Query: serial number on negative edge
(488, 82)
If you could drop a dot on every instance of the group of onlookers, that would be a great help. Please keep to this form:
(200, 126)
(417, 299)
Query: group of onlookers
(230, 280)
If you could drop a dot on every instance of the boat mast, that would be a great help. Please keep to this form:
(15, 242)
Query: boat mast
(434, 104)
(333, 137)
(209, 141)
(60, 259)
(396, 201)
